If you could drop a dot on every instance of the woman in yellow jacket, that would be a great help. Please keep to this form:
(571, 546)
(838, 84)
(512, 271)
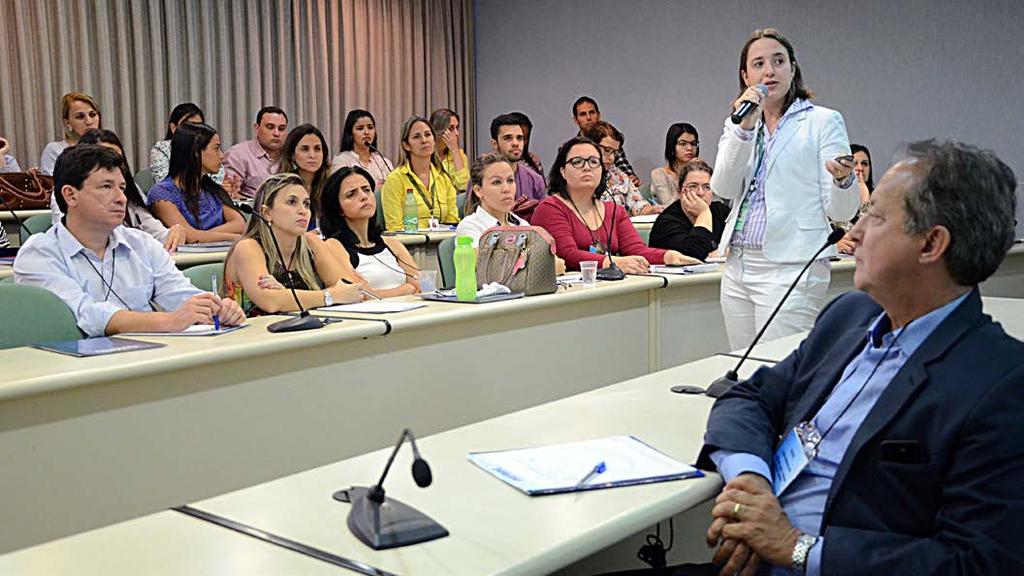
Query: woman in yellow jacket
(432, 187)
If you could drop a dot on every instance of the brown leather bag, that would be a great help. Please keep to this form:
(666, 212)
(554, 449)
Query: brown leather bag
(26, 190)
(519, 257)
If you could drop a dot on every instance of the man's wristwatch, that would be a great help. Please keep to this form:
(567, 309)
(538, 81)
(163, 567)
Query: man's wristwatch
(804, 543)
(846, 182)
(328, 299)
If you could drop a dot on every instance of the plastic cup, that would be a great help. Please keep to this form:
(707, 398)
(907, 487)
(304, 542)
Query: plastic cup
(428, 281)
(589, 272)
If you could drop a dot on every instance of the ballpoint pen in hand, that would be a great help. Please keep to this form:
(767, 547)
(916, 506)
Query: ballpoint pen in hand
(600, 468)
(216, 317)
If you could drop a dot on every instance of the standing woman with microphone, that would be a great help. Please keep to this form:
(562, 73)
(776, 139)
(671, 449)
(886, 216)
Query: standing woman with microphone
(784, 162)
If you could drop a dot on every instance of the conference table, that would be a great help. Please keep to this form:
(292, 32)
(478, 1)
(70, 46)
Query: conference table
(494, 529)
(260, 406)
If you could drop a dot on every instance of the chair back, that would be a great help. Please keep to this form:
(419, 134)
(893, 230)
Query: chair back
(35, 224)
(200, 275)
(645, 234)
(446, 262)
(32, 315)
(144, 179)
(460, 202)
(645, 191)
(380, 208)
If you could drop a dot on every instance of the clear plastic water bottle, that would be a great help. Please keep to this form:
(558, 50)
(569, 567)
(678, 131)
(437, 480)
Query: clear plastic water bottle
(465, 269)
(410, 212)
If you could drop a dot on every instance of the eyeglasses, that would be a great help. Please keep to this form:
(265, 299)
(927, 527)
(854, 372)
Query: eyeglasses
(685, 144)
(693, 187)
(579, 162)
(613, 152)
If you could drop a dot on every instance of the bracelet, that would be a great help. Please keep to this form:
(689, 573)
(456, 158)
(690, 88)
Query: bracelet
(803, 546)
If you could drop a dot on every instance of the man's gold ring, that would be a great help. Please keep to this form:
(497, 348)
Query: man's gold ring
(736, 510)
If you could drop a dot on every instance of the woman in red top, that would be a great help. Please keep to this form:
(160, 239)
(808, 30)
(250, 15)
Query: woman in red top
(585, 229)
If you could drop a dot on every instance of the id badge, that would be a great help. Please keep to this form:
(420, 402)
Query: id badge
(434, 223)
(789, 460)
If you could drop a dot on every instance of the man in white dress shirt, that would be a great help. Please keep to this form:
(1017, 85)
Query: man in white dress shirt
(114, 279)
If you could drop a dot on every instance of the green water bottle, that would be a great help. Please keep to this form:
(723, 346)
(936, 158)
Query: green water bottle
(465, 269)
(410, 212)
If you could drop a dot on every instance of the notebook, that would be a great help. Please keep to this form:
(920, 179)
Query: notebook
(95, 346)
(559, 468)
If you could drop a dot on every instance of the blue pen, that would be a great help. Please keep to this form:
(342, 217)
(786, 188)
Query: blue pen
(216, 317)
(599, 469)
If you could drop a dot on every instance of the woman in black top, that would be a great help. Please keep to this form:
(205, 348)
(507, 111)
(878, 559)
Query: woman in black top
(693, 225)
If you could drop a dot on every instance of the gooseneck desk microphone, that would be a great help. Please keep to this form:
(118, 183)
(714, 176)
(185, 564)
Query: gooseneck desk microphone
(381, 522)
(722, 384)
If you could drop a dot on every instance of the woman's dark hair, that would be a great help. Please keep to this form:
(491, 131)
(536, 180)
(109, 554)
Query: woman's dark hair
(180, 113)
(348, 141)
(797, 88)
(286, 163)
(527, 125)
(674, 132)
(186, 165)
(556, 182)
(332, 221)
(103, 136)
(854, 148)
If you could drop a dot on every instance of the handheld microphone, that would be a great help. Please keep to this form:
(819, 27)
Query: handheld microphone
(731, 378)
(304, 321)
(381, 522)
(746, 107)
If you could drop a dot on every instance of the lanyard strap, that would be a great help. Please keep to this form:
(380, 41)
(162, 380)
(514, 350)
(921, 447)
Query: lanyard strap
(862, 386)
(759, 148)
(433, 191)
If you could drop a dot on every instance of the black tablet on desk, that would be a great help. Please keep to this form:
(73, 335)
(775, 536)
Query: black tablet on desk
(95, 346)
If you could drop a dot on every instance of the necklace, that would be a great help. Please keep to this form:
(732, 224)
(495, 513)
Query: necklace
(597, 246)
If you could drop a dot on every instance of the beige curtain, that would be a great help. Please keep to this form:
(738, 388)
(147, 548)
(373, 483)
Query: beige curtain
(316, 59)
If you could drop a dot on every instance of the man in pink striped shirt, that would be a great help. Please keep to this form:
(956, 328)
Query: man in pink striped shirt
(250, 161)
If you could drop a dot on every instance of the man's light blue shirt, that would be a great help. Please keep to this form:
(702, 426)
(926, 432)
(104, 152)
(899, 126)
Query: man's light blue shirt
(135, 267)
(884, 355)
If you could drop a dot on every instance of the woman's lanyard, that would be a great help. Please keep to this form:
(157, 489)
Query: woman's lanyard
(433, 192)
(597, 247)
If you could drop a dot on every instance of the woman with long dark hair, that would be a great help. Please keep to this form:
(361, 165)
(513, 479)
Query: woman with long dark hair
(160, 153)
(682, 144)
(137, 215)
(785, 167)
(585, 228)
(359, 147)
(188, 196)
(349, 223)
(305, 153)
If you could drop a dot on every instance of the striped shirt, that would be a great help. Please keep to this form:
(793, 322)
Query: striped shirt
(753, 216)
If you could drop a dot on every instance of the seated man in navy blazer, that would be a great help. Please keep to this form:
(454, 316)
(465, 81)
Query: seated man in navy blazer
(908, 399)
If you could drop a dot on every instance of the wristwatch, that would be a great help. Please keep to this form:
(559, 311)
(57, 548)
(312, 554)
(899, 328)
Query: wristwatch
(847, 181)
(328, 299)
(804, 543)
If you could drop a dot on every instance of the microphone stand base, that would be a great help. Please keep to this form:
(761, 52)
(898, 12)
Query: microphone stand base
(305, 321)
(722, 385)
(390, 524)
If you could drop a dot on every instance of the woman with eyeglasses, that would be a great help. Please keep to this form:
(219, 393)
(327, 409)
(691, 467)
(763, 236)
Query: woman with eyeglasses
(682, 144)
(619, 187)
(420, 171)
(349, 223)
(586, 229)
(786, 167)
(693, 224)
